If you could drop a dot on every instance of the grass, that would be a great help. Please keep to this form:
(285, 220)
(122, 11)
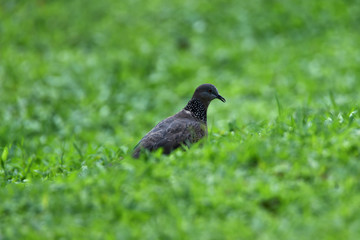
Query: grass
(82, 81)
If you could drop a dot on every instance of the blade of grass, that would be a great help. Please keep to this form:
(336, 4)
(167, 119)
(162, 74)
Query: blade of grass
(79, 151)
(3, 159)
(29, 167)
(279, 107)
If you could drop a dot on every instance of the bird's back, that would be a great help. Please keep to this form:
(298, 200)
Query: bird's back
(173, 132)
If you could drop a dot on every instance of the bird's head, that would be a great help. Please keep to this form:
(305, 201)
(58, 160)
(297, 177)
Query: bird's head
(206, 93)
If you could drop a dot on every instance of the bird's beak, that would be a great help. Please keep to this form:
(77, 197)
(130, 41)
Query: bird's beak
(221, 98)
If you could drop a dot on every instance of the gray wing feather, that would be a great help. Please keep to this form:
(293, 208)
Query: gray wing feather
(170, 134)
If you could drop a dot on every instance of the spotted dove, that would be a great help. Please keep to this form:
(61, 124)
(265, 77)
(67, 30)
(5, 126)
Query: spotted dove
(185, 127)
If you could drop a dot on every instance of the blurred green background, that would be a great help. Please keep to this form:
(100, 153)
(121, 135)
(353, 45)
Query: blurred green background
(82, 81)
(100, 70)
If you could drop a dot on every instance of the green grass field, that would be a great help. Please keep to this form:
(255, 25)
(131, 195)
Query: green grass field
(82, 81)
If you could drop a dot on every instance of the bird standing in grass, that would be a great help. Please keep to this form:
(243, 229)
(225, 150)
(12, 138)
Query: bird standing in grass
(185, 127)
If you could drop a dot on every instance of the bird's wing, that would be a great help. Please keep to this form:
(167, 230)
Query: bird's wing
(170, 134)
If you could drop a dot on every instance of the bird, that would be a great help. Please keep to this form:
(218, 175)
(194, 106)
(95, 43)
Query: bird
(184, 128)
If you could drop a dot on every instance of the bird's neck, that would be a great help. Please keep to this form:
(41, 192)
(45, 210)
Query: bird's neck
(197, 109)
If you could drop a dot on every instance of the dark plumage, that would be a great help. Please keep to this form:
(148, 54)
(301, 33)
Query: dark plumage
(185, 127)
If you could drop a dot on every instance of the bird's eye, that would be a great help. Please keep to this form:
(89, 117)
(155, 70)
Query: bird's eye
(210, 91)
